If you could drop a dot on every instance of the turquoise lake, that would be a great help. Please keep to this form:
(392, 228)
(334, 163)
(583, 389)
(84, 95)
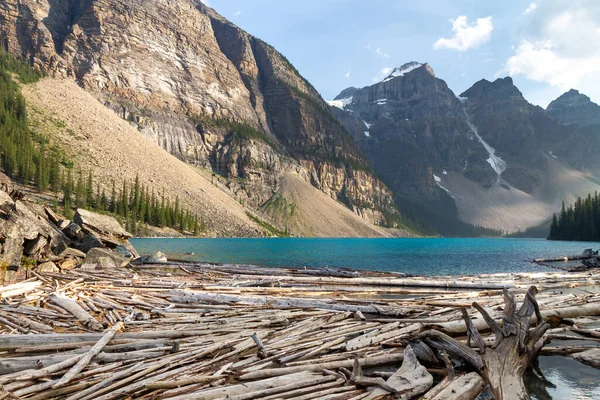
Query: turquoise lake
(411, 256)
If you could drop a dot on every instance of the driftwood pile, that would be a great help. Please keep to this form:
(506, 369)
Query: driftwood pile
(199, 331)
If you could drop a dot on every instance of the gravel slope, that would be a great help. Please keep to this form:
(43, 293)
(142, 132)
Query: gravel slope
(97, 138)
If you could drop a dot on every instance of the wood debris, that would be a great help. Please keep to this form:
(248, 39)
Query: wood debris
(203, 331)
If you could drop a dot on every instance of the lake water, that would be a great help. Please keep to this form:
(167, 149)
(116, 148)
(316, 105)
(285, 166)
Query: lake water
(411, 256)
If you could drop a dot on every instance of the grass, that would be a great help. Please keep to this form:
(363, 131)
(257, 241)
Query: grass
(268, 227)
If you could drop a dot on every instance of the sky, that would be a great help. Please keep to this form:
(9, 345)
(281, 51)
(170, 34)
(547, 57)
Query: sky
(546, 46)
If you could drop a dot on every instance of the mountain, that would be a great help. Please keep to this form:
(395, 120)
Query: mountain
(574, 108)
(204, 90)
(486, 157)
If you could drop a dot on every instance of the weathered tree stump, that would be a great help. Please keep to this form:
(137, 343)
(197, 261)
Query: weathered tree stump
(516, 346)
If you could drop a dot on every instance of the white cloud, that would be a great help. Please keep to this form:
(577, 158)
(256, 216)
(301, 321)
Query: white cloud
(237, 13)
(382, 74)
(466, 36)
(562, 48)
(530, 9)
(381, 53)
(347, 74)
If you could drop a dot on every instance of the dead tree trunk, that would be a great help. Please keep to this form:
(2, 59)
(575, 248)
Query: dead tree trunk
(502, 365)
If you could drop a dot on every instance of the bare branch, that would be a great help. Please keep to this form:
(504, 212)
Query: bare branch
(472, 332)
(491, 323)
(444, 342)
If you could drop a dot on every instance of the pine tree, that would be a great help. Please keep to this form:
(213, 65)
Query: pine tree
(113, 198)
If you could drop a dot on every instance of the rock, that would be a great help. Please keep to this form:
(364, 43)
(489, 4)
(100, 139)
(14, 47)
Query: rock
(100, 257)
(89, 242)
(158, 257)
(35, 248)
(62, 224)
(6, 203)
(68, 264)
(48, 267)
(73, 231)
(74, 253)
(101, 224)
(123, 251)
(52, 216)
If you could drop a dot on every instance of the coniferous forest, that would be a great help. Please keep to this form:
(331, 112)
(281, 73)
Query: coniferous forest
(29, 158)
(578, 222)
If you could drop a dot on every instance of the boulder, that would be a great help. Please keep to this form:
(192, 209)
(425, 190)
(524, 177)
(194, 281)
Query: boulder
(74, 231)
(48, 267)
(62, 224)
(100, 224)
(158, 257)
(105, 258)
(68, 263)
(89, 242)
(52, 216)
(122, 250)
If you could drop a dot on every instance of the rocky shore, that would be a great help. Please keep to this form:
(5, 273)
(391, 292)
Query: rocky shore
(34, 239)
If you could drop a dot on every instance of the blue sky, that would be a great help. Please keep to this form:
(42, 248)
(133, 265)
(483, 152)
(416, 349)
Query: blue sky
(547, 46)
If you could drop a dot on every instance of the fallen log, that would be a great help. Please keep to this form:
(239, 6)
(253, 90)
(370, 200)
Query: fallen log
(85, 360)
(365, 362)
(71, 306)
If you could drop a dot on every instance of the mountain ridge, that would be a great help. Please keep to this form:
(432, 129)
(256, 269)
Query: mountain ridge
(488, 149)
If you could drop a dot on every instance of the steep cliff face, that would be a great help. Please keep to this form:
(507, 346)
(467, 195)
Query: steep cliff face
(201, 88)
(574, 108)
(412, 127)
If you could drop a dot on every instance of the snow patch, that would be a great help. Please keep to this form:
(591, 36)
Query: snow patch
(381, 102)
(405, 69)
(552, 154)
(445, 172)
(341, 104)
(462, 99)
(438, 181)
(367, 134)
(368, 125)
(497, 164)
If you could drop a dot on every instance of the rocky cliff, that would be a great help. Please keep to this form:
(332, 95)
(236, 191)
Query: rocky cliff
(574, 108)
(481, 156)
(201, 88)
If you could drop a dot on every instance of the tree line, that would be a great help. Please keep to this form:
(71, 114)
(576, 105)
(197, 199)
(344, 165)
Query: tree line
(137, 205)
(579, 221)
(27, 157)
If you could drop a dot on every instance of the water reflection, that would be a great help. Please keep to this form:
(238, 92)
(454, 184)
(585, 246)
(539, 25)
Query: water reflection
(561, 378)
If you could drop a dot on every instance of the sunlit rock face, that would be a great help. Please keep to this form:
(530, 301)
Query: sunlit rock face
(200, 87)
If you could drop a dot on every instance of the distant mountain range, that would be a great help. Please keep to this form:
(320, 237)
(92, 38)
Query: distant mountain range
(486, 157)
(405, 153)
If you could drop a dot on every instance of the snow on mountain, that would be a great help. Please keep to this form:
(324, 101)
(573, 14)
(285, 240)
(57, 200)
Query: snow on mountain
(405, 69)
(341, 104)
(498, 164)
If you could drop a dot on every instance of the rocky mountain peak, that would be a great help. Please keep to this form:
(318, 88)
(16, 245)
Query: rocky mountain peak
(501, 89)
(407, 68)
(574, 107)
(346, 93)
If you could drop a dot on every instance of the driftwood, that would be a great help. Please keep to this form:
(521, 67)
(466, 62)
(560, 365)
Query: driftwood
(245, 332)
(502, 365)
